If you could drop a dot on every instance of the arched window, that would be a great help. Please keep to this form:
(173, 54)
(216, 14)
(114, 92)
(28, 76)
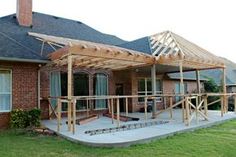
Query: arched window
(100, 89)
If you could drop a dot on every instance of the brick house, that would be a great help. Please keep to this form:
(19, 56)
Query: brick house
(26, 82)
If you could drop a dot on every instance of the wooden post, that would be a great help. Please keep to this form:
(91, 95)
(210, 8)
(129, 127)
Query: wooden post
(112, 111)
(222, 105)
(164, 101)
(225, 104)
(198, 85)
(205, 106)
(187, 111)
(49, 109)
(182, 88)
(118, 111)
(126, 106)
(171, 109)
(198, 82)
(197, 103)
(87, 107)
(153, 71)
(235, 104)
(74, 116)
(109, 106)
(58, 114)
(69, 90)
(145, 108)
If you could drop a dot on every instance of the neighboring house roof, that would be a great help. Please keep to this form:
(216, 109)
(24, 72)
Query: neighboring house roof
(215, 74)
(16, 44)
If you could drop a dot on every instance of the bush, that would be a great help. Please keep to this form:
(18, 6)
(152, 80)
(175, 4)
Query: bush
(211, 87)
(23, 119)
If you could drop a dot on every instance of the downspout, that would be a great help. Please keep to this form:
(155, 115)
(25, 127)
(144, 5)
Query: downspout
(39, 84)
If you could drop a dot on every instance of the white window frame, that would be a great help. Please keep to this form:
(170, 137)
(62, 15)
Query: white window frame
(158, 99)
(3, 111)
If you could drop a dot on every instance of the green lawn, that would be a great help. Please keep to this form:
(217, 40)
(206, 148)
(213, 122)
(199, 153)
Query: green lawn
(216, 141)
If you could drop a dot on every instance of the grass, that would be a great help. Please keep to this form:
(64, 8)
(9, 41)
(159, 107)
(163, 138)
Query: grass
(215, 141)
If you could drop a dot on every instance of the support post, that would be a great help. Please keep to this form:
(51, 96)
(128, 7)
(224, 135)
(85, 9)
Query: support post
(235, 104)
(205, 106)
(145, 108)
(118, 111)
(109, 106)
(222, 105)
(58, 115)
(126, 106)
(74, 115)
(187, 111)
(171, 108)
(198, 82)
(225, 102)
(153, 73)
(197, 102)
(87, 107)
(69, 90)
(112, 111)
(198, 86)
(182, 88)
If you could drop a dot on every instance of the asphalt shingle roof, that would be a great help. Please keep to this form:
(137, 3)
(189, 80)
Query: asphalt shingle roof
(141, 45)
(16, 43)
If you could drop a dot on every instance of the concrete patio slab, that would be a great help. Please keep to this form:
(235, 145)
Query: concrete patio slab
(134, 136)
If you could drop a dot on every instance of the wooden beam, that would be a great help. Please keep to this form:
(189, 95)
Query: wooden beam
(182, 88)
(153, 74)
(225, 104)
(126, 106)
(112, 111)
(118, 111)
(59, 115)
(145, 107)
(69, 90)
(74, 116)
(171, 108)
(235, 104)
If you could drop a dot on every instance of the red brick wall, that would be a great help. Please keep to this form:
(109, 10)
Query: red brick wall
(24, 87)
(45, 85)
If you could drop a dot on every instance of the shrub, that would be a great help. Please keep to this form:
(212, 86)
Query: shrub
(23, 119)
(211, 87)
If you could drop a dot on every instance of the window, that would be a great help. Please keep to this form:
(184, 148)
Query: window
(5, 90)
(81, 88)
(100, 88)
(145, 88)
(178, 90)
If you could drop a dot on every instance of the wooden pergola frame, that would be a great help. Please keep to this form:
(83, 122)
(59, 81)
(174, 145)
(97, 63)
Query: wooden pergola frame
(168, 49)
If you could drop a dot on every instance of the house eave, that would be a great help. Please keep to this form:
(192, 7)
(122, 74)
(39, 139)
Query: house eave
(12, 59)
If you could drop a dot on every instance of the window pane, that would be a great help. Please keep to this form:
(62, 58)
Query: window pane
(100, 88)
(149, 85)
(141, 85)
(5, 84)
(5, 90)
(5, 102)
(158, 85)
(81, 88)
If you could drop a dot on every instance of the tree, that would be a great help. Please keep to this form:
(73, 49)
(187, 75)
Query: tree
(211, 87)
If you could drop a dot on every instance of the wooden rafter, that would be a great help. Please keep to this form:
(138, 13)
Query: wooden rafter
(170, 48)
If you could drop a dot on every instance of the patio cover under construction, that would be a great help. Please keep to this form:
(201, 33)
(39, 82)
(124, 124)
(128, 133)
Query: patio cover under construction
(168, 49)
